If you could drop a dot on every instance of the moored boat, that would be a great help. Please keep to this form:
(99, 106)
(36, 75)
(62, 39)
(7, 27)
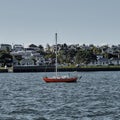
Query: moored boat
(59, 78)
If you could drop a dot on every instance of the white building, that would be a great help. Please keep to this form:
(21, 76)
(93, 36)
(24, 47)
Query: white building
(27, 62)
(115, 61)
(18, 47)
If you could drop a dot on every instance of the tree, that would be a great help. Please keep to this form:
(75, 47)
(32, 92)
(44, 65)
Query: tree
(79, 57)
(48, 48)
(96, 50)
(65, 45)
(50, 55)
(18, 57)
(41, 51)
(5, 58)
(61, 56)
(70, 55)
(32, 45)
(41, 47)
(85, 56)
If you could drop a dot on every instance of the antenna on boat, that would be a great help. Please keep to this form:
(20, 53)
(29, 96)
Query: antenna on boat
(56, 53)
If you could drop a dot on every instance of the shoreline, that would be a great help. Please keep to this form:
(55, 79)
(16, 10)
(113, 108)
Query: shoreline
(3, 70)
(19, 69)
(52, 69)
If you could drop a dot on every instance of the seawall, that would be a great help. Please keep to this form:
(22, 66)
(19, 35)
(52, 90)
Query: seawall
(52, 69)
(3, 70)
(33, 69)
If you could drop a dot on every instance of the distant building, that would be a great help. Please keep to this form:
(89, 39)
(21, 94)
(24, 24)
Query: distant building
(99, 56)
(27, 62)
(6, 47)
(18, 47)
(115, 61)
(103, 61)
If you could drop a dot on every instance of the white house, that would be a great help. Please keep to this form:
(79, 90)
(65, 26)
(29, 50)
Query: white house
(18, 47)
(99, 56)
(115, 61)
(15, 62)
(41, 61)
(24, 54)
(100, 61)
(103, 61)
(27, 62)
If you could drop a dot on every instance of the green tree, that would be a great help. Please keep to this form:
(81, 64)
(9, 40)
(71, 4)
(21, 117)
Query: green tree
(48, 48)
(96, 50)
(18, 57)
(61, 56)
(5, 58)
(41, 51)
(41, 47)
(70, 55)
(85, 56)
(32, 45)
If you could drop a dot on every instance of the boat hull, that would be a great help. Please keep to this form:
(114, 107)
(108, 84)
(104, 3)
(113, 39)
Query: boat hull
(46, 79)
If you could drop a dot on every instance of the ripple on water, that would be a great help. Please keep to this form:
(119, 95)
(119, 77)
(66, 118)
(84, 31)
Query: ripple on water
(24, 96)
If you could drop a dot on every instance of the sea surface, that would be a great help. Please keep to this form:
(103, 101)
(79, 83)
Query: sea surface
(25, 96)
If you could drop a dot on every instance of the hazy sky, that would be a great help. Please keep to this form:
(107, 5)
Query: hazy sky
(76, 21)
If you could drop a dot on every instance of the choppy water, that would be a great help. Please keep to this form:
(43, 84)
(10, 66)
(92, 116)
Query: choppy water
(25, 96)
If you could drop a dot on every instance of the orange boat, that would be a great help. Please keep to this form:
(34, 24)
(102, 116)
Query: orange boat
(59, 78)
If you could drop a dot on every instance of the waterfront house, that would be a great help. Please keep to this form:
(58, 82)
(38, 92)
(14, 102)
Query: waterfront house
(40, 61)
(109, 50)
(18, 47)
(38, 58)
(100, 62)
(103, 61)
(99, 56)
(17, 53)
(115, 61)
(27, 62)
(6, 47)
(15, 62)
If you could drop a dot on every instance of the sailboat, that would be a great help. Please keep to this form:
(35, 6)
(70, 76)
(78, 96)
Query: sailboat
(57, 78)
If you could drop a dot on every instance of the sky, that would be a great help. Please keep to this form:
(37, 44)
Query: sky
(76, 22)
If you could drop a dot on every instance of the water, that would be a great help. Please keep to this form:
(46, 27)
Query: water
(25, 96)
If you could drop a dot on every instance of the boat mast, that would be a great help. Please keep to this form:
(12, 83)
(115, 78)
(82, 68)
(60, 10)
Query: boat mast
(56, 52)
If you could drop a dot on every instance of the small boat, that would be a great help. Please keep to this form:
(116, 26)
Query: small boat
(59, 78)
